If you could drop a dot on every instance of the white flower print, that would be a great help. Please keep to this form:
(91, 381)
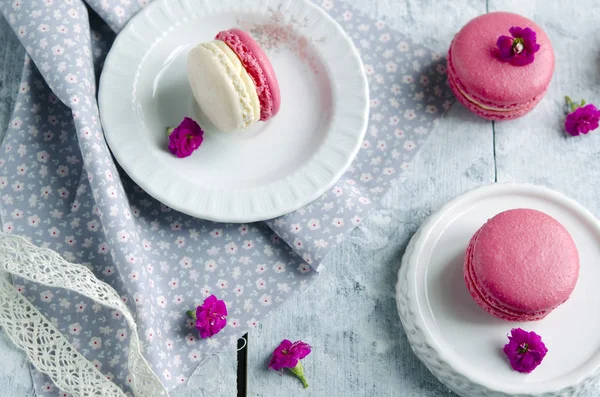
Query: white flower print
(337, 222)
(17, 214)
(108, 270)
(43, 28)
(252, 323)
(298, 243)
(304, 268)
(58, 50)
(121, 334)
(46, 296)
(70, 240)
(366, 177)
(178, 299)
(174, 283)
(75, 329)
(391, 67)
(402, 46)
(216, 233)
(134, 276)
(180, 242)
(313, 224)
(295, 228)
(16, 122)
(327, 4)
(161, 301)
(73, 13)
(71, 78)
(261, 269)
(321, 243)
(239, 290)
(279, 267)
(369, 70)
(43, 156)
(430, 109)
(261, 283)
(409, 145)
(22, 31)
(80, 307)
(8, 227)
(233, 322)
(169, 344)
(408, 79)
(48, 387)
(194, 356)
(185, 262)
(95, 343)
(265, 300)
(356, 220)
(231, 248)
(62, 171)
(248, 244)
(409, 114)
(222, 284)
(3, 182)
(122, 236)
(33, 221)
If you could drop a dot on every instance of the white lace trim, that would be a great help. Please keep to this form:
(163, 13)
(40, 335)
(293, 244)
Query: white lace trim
(48, 349)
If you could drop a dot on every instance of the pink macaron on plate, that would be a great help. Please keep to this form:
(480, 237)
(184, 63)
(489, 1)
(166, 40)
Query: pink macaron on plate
(458, 340)
(313, 98)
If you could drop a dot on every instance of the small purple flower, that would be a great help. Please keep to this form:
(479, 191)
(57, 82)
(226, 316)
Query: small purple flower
(211, 316)
(185, 138)
(525, 350)
(582, 119)
(519, 49)
(288, 355)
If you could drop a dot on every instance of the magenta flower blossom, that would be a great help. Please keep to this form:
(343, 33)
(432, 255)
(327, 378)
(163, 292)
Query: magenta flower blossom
(288, 355)
(525, 350)
(211, 316)
(185, 138)
(582, 119)
(519, 49)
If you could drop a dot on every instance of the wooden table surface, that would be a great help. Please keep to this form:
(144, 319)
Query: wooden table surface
(349, 316)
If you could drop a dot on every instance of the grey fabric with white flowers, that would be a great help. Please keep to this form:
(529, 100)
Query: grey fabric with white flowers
(61, 189)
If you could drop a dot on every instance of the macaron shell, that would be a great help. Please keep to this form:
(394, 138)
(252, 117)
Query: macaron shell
(526, 260)
(487, 302)
(478, 71)
(218, 87)
(258, 66)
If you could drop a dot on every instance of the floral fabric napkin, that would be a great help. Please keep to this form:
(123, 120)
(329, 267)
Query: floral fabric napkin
(61, 189)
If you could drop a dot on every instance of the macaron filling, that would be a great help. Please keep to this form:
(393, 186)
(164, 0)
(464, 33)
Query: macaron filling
(254, 69)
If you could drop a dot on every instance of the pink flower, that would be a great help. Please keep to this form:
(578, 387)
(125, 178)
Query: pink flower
(211, 316)
(185, 138)
(288, 355)
(582, 119)
(525, 350)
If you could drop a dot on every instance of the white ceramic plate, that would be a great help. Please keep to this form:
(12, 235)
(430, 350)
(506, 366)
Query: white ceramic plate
(269, 170)
(462, 344)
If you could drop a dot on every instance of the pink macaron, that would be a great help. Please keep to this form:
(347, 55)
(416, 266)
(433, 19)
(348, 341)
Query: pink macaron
(259, 68)
(486, 84)
(521, 264)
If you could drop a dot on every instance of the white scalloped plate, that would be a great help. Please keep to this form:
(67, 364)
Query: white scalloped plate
(459, 342)
(269, 170)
